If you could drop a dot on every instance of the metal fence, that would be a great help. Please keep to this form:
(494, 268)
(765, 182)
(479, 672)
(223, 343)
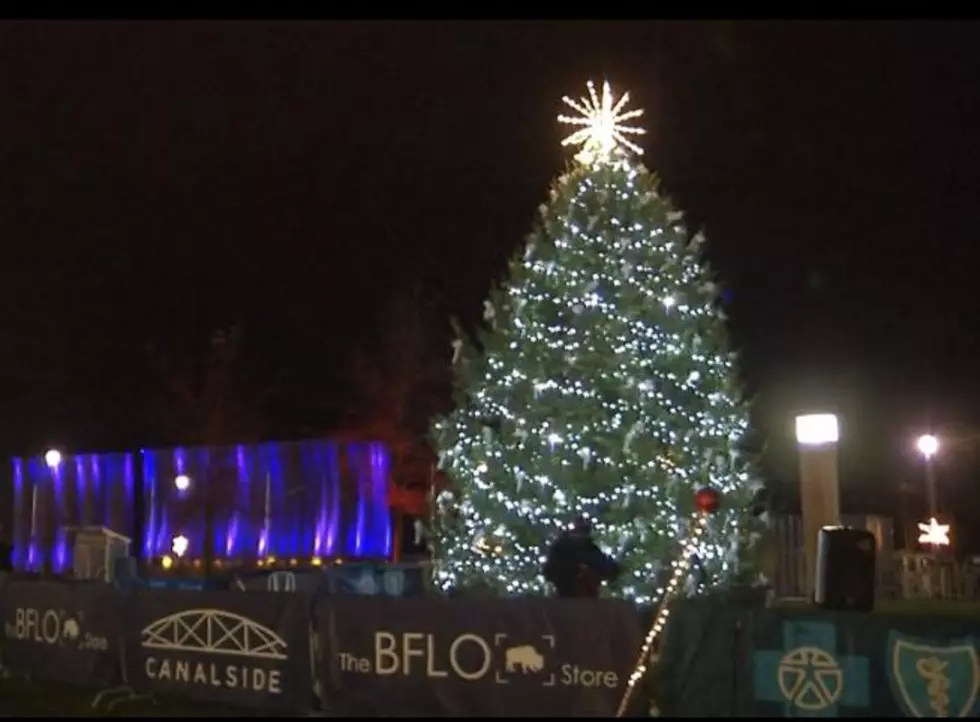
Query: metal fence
(790, 564)
(900, 574)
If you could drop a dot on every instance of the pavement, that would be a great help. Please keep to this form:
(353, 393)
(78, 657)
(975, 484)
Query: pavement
(30, 698)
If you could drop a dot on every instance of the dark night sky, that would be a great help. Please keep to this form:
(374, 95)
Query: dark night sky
(161, 179)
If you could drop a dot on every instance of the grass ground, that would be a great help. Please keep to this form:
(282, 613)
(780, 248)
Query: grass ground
(29, 698)
(937, 607)
(930, 607)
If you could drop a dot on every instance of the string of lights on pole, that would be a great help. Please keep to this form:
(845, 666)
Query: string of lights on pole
(707, 502)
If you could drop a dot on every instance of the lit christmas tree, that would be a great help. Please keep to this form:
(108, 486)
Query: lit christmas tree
(602, 386)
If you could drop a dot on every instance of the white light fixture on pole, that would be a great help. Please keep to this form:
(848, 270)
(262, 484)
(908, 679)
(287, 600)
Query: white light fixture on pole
(928, 446)
(52, 457)
(816, 438)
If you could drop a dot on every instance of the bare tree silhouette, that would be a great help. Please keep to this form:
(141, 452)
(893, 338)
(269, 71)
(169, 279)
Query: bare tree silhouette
(217, 407)
(402, 382)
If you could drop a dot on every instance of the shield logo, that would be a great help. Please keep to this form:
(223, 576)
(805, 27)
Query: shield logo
(932, 681)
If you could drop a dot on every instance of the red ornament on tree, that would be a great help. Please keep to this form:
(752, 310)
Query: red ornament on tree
(706, 500)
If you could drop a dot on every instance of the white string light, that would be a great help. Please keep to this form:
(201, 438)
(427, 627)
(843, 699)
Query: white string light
(681, 570)
(604, 349)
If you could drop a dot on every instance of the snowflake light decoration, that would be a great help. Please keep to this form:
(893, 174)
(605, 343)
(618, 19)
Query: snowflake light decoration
(603, 129)
(934, 533)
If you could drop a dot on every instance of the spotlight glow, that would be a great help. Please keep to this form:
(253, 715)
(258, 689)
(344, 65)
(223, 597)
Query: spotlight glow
(179, 545)
(928, 445)
(817, 430)
(52, 458)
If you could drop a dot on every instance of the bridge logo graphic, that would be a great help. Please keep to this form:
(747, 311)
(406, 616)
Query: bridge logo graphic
(213, 631)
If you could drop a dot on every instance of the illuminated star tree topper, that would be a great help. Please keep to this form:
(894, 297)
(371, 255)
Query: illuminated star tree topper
(603, 129)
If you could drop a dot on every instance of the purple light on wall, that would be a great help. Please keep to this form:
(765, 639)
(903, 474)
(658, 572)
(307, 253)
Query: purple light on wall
(97, 492)
(320, 526)
(283, 542)
(162, 486)
(185, 515)
(297, 500)
(60, 557)
(104, 482)
(180, 469)
(242, 495)
(151, 511)
(129, 501)
(362, 482)
(80, 489)
(36, 551)
(21, 539)
(333, 471)
(265, 521)
(381, 528)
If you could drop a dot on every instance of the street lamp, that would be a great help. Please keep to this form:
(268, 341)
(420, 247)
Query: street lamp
(817, 430)
(52, 457)
(179, 545)
(928, 446)
(816, 438)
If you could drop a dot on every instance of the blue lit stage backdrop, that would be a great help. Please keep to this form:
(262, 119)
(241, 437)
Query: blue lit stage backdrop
(83, 490)
(304, 501)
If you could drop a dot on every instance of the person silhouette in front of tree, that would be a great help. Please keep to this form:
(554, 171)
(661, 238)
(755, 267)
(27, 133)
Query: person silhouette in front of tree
(576, 566)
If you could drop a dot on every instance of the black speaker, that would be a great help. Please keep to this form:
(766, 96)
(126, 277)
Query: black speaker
(6, 557)
(845, 570)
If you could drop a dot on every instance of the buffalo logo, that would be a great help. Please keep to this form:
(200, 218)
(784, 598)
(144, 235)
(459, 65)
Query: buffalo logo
(70, 630)
(524, 658)
(932, 681)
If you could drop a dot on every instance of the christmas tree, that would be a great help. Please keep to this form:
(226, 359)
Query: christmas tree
(602, 385)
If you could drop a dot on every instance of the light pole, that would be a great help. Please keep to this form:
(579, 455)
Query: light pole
(201, 497)
(928, 445)
(816, 437)
(53, 555)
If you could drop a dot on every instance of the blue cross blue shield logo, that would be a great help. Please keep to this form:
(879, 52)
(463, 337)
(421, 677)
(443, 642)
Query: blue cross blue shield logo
(809, 677)
(933, 681)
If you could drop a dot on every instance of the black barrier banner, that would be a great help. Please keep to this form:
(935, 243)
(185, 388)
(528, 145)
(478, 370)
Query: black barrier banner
(808, 662)
(805, 662)
(250, 650)
(704, 670)
(69, 632)
(475, 657)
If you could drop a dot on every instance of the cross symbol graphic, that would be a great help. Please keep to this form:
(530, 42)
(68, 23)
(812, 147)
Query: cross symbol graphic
(807, 676)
